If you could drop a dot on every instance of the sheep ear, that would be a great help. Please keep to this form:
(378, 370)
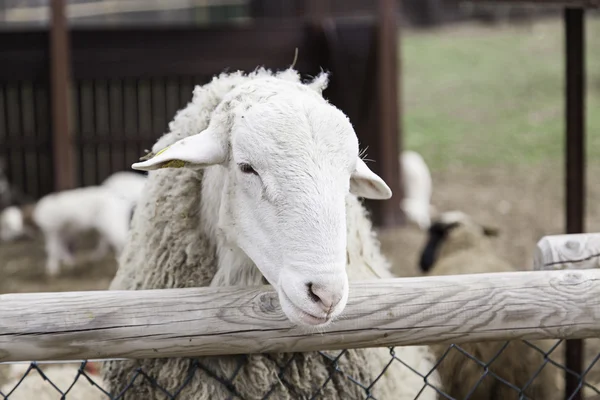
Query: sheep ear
(365, 183)
(429, 252)
(196, 151)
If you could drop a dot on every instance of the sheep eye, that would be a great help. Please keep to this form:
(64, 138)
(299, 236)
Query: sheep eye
(247, 169)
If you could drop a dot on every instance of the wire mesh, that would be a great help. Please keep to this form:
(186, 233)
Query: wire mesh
(516, 369)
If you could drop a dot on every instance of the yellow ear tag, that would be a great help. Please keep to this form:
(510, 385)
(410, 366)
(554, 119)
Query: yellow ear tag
(170, 164)
(161, 151)
(173, 164)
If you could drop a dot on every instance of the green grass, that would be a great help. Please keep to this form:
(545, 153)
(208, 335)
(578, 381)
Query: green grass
(484, 96)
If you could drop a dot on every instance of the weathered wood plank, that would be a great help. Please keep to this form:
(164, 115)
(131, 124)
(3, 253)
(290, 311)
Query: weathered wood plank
(212, 321)
(574, 251)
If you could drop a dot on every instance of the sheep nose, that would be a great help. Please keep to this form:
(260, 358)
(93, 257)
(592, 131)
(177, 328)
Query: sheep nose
(324, 296)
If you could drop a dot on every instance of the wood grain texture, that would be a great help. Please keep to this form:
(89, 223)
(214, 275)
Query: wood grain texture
(213, 321)
(574, 251)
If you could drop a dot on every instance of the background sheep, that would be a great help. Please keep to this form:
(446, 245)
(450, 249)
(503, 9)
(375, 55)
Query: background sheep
(416, 180)
(182, 236)
(127, 184)
(60, 377)
(458, 245)
(61, 217)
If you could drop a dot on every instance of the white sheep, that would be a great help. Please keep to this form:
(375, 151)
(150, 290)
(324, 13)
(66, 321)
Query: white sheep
(458, 245)
(65, 378)
(127, 184)
(269, 188)
(61, 217)
(416, 182)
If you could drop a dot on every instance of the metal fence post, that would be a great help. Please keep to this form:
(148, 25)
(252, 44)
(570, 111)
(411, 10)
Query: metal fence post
(574, 162)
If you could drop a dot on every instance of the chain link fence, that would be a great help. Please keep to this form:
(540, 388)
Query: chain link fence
(468, 371)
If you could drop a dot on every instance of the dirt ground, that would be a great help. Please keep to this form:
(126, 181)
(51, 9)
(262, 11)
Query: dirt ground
(526, 203)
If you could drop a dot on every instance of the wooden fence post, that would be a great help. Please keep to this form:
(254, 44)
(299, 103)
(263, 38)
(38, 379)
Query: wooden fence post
(390, 132)
(574, 251)
(362, 57)
(60, 70)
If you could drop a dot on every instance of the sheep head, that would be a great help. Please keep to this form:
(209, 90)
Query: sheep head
(450, 232)
(289, 161)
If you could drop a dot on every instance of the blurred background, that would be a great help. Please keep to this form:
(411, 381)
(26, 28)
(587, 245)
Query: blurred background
(477, 88)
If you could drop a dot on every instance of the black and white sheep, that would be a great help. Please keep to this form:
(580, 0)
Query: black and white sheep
(456, 244)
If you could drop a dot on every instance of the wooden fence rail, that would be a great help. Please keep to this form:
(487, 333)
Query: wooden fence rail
(573, 251)
(218, 321)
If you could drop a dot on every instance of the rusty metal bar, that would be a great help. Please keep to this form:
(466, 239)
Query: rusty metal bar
(574, 21)
(60, 70)
(387, 82)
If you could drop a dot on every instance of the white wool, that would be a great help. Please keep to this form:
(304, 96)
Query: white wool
(416, 180)
(127, 184)
(298, 218)
(33, 386)
(11, 223)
